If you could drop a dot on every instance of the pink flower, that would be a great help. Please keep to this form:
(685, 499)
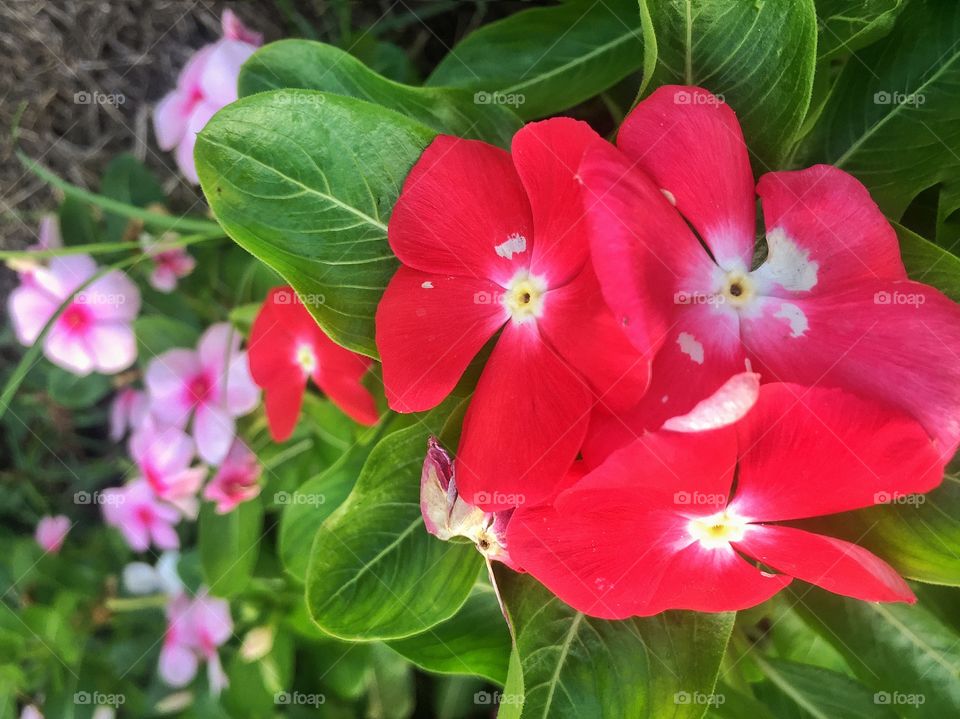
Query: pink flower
(51, 531)
(129, 408)
(94, 332)
(236, 481)
(164, 455)
(206, 83)
(170, 262)
(195, 628)
(48, 238)
(140, 516)
(212, 384)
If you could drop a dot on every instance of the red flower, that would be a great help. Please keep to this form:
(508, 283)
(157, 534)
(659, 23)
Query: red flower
(491, 241)
(680, 520)
(830, 303)
(286, 347)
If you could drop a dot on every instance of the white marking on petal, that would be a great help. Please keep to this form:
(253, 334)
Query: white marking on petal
(515, 244)
(728, 404)
(788, 264)
(664, 399)
(427, 285)
(690, 347)
(795, 316)
(669, 195)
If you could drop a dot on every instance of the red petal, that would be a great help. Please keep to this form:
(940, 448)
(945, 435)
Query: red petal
(690, 143)
(283, 402)
(580, 326)
(828, 215)
(524, 426)
(340, 374)
(642, 251)
(806, 452)
(892, 341)
(547, 156)
(460, 204)
(429, 327)
(833, 564)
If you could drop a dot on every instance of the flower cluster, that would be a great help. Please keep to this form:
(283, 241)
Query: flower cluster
(666, 399)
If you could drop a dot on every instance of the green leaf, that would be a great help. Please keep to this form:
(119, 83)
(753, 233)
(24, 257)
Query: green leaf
(897, 127)
(158, 333)
(902, 652)
(545, 60)
(577, 666)
(375, 572)
(474, 641)
(737, 705)
(919, 534)
(73, 392)
(229, 545)
(391, 690)
(128, 180)
(759, 56)
(76, 223)
(821, 693)
(848, 25)
(316, 66)
(929, 263)
(306, 181)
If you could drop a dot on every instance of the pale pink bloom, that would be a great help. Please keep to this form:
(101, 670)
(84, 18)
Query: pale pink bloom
(195, 628)
(51, 531)
(206, 83)
(30, 712)
(170, 262)
(140, 516)
(48, 238)
(142, 578)
(163, 456)
(94, 333)
(212, 384)
(237, 480)
(127, 411)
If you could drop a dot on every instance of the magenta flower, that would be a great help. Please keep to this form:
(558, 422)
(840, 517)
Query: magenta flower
(170, 262)
(212, 384)
(206, 83)
(129, 408)
(141, 517)
(94, 332)
(195, 628)
(236, 481)
(51, 532)
(163, 456)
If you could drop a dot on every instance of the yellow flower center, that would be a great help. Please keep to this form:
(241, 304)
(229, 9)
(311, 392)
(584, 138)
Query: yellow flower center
(524, 296)
(718, 530)
(306, 358)
(738, 289)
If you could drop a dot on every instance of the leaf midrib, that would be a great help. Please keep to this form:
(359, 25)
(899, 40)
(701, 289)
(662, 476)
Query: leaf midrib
(564, 650)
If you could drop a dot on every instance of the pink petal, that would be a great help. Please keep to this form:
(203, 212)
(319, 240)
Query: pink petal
(167, 378)
(51, 533)
(807, 452)
(429, 328)
(218, 81)
(214, 430)
(463, 212)
(48, 234)
(178, 665)
(524, 426)
(690, 143)
(113, 297)
(547, 157)
(832, 564)
(234, 29)
(199, 117)
(66, 273)
(68, 350)
(30, 307)
(217, 346)
(243, 395)
(828, 218)
(113, 346)
(170, 118)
